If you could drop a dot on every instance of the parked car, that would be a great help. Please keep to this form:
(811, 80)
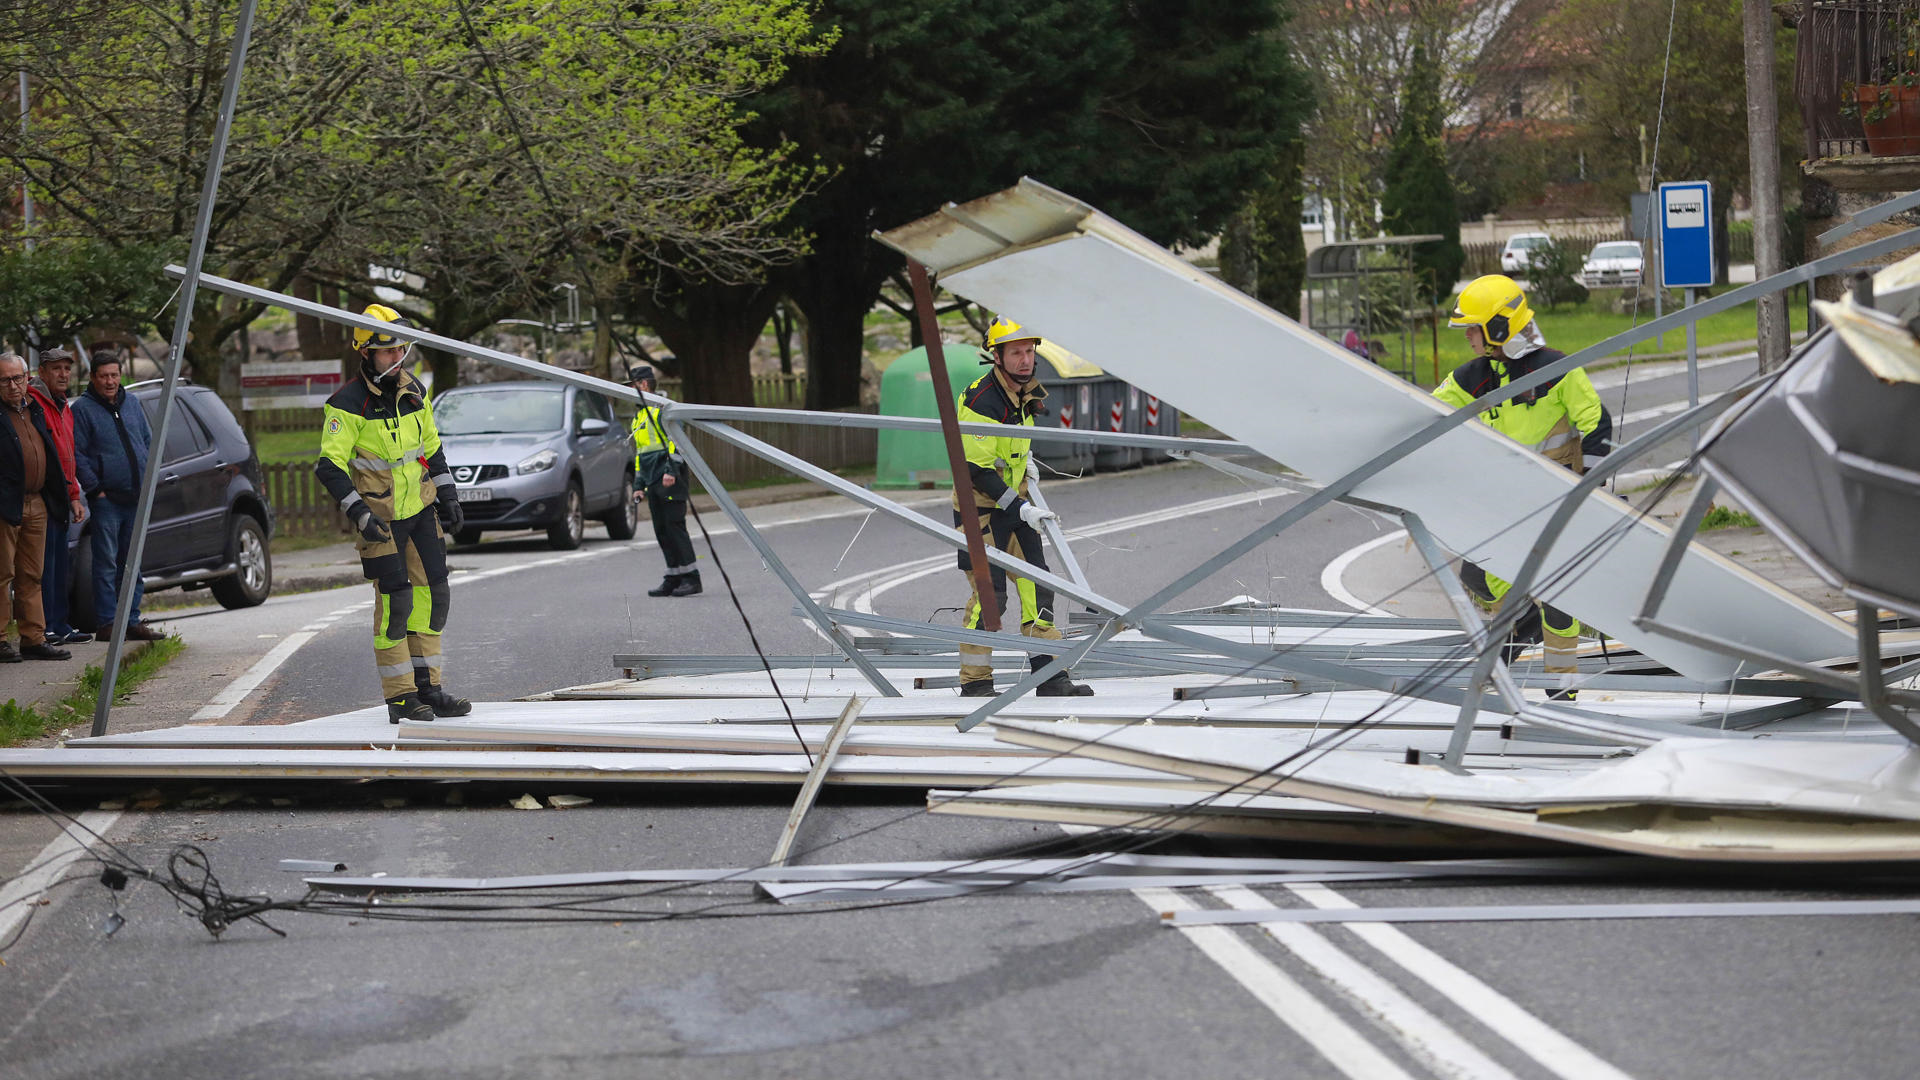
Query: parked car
(531, 454)
(211, 519)
(1614, 264)
(1517, 256)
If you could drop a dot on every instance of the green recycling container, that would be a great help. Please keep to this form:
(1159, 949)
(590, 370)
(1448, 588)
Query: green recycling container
(912, 459)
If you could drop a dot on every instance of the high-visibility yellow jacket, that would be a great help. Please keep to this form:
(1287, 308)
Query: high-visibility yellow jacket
(1534, 418)
(997, 464)
(381, 447)
(653, 448)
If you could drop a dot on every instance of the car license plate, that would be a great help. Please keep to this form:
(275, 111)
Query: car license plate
(474, 494)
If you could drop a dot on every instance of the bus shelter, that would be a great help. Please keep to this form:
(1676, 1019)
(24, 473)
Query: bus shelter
(1362, 294)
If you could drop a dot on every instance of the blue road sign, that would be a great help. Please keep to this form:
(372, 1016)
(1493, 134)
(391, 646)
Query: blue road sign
(1686, 235)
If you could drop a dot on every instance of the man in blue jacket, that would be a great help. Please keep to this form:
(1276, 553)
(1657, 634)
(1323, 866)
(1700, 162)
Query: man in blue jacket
(110, 441)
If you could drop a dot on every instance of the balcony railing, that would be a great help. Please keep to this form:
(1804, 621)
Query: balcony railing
(1843, 44)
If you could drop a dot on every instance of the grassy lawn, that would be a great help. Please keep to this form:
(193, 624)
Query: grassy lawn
(23, 723)
(1570, 328)
(287, 446)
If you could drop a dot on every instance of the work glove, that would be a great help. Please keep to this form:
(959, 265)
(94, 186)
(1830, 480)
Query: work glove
(372, 529)
(453, 517)
(1032, 515)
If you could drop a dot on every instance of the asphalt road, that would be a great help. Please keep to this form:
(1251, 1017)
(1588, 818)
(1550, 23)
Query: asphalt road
(1075, 985)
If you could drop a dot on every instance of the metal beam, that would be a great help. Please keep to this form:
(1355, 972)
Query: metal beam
(752, 535)
(946, 534)
(183, 320)
(815, 777)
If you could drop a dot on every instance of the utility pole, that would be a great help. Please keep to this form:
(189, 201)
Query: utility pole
(1763, 185)
(26, 212)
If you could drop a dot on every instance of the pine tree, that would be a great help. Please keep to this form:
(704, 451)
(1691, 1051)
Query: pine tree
(1419, 196)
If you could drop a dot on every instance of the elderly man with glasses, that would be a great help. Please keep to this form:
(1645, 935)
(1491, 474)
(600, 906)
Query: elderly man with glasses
(33, 490)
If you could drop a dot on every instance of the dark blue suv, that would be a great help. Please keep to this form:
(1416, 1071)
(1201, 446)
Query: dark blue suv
(211, 518)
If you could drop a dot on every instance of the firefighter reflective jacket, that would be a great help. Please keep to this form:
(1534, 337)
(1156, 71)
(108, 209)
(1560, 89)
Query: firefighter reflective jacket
(382, 447)
(1544, 418)
(997, 464)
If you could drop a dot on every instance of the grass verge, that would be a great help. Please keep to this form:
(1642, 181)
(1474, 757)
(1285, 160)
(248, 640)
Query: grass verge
(24, 723)
(1726, 517)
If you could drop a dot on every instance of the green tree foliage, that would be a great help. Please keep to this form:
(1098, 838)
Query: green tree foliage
(1702, 125)
(1359, 56)
(1262, 250)
(1553, 275)
(376, 134)
(1418, 198)
(63, 287)
(1162, 114)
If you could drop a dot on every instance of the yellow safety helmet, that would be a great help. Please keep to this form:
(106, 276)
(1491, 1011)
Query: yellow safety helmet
(1004, 330)
(1495, 304)
(365, 340)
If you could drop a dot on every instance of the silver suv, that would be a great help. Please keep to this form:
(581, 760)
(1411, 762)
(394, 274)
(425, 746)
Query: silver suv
(530, 455)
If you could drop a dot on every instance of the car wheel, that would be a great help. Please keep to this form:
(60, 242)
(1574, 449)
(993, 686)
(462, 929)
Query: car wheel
(467, 536)
(624, 520)
(567, 533)
(252, 582)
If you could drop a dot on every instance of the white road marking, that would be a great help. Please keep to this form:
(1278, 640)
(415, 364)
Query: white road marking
(1557, 1053)
(1295, 1006)
(1666, 368)
(1333, 572)
(236, 691)
(19, 896)
(1419, 1032)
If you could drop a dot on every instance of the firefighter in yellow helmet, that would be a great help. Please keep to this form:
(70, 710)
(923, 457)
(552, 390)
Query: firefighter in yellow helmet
(1563, 420)
(380, 457)
(1000, 468)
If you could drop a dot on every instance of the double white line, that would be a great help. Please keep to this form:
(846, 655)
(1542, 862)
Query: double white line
(1424, 1037)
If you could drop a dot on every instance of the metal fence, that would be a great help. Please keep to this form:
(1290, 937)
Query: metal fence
(1843, 45)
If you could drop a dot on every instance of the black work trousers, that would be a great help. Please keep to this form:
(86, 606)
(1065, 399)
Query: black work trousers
(670, 527)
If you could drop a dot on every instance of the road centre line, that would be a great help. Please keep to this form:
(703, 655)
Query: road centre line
(20, 896)
(1420, 1033)
(1532, 1036)
(1295, 1006)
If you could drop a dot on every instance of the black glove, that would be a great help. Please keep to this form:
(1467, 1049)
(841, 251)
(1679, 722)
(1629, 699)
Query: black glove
(372, 529)
(453, 517)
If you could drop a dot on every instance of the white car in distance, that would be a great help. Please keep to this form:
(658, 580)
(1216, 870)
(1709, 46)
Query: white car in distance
(1613, 264)
(1517, 256)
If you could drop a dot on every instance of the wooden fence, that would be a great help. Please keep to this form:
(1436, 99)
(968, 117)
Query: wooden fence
(301, 506)
(831, 448)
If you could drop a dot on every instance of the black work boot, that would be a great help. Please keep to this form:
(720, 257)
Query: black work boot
(443, 703)
(977, 688)
(1062, 685)
(7, 654)
(409, 707)
(667, 585)
(689, 585)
